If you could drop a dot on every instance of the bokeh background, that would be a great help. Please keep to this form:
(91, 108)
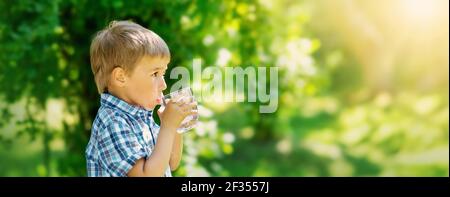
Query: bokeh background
(363, 84)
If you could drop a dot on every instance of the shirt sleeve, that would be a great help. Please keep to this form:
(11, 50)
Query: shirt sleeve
(119, 148)
(155, 127)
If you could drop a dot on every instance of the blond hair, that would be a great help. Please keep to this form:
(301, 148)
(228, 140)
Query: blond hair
(122, 44)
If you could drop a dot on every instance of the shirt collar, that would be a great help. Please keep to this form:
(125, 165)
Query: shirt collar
(110, 100)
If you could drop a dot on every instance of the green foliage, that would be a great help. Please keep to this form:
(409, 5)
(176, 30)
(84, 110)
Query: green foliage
(330, 120)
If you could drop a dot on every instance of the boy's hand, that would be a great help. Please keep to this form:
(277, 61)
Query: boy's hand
(175, 112)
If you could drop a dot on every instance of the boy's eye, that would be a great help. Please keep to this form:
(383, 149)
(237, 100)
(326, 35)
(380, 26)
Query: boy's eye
(157, 74)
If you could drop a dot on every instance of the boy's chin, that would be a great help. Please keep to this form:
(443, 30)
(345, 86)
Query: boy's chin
(149, 107)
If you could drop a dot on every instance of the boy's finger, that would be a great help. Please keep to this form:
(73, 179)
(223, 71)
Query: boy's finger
(193, 105)
(183, 99)
(193, 112)
(187, 107)
(160, 110)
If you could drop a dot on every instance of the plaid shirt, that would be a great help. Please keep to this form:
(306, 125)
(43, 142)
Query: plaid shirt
(121, 135)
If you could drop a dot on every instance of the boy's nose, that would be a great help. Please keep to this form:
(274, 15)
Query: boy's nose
(163, 84)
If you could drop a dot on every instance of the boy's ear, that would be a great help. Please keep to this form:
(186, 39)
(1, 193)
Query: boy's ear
(118, 76)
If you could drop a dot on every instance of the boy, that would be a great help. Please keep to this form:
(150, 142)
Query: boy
(129, 62)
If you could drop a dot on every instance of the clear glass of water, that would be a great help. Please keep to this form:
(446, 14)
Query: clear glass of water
(183, 94)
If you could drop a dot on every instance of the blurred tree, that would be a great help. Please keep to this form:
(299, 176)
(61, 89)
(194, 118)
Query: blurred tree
(356, 96)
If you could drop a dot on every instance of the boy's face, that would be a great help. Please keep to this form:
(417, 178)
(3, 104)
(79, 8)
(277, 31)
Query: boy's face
(146, 82)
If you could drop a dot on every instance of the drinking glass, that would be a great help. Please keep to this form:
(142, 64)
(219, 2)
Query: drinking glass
(183, 94)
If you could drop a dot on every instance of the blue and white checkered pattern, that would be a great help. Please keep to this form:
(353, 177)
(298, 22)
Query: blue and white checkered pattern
(121, 134)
